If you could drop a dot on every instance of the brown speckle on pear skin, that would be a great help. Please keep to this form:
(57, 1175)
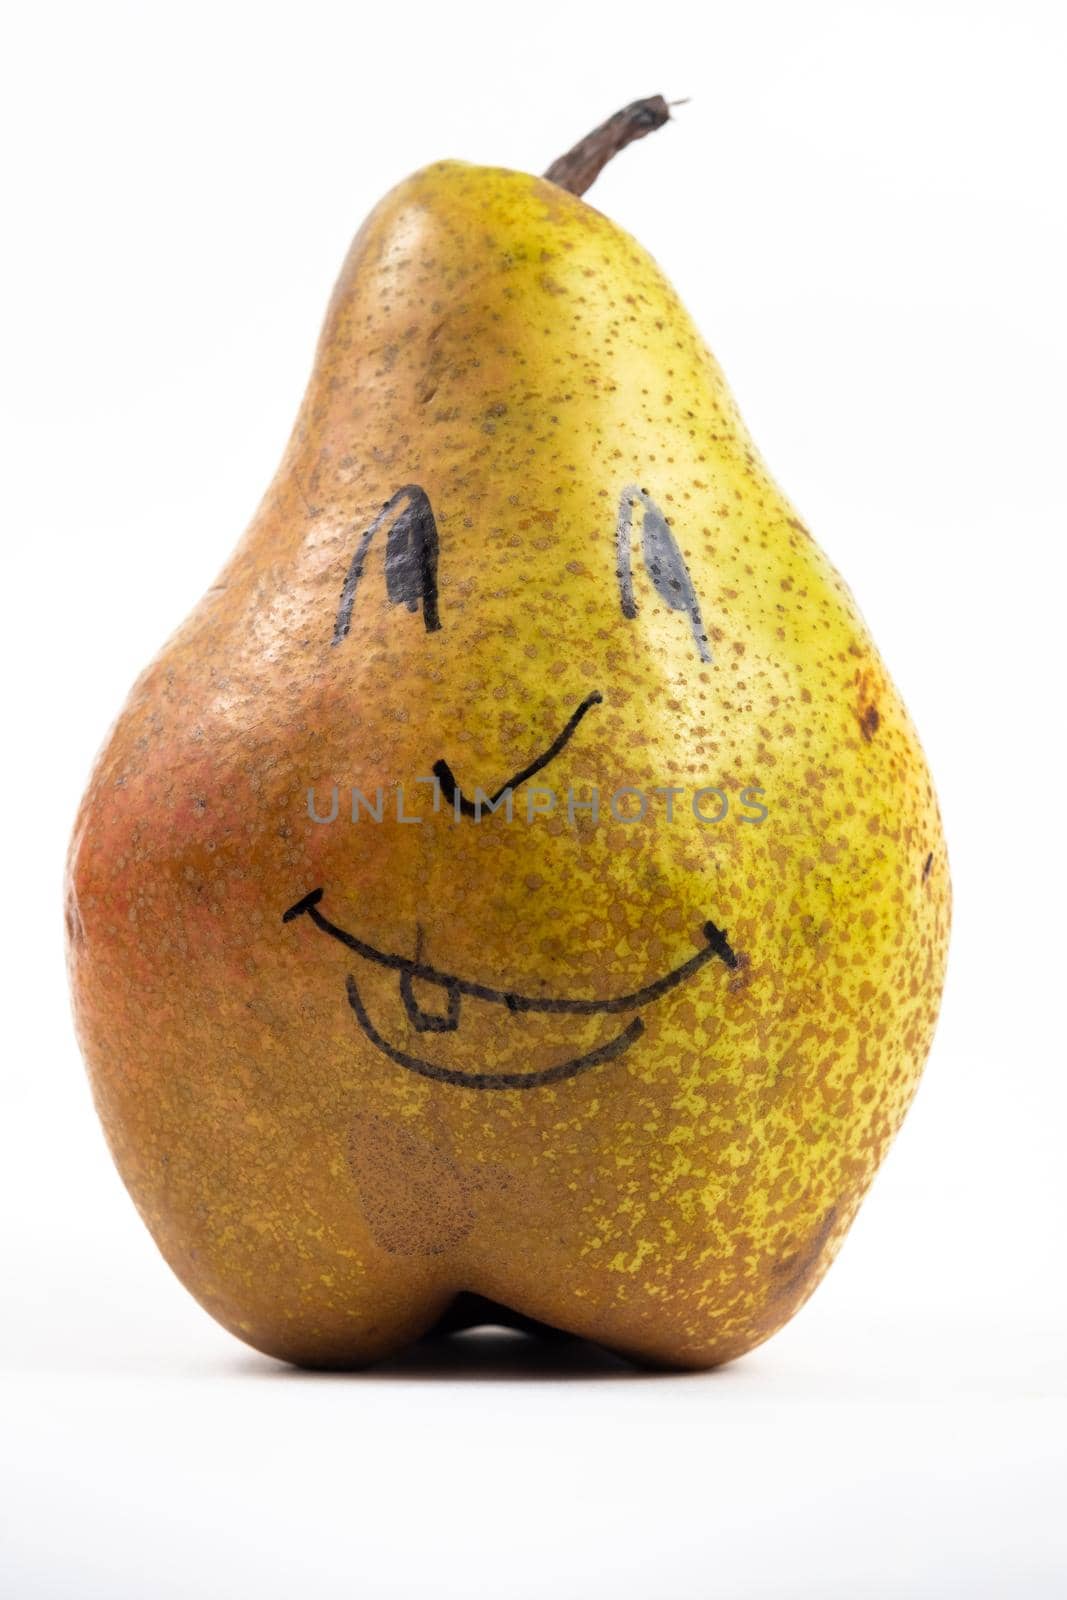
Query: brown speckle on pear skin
(790, 1274)
(414, 1197)
(869, 721)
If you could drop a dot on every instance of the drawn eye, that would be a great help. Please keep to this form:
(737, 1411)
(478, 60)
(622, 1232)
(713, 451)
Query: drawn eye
(410, 559)
(663, 563)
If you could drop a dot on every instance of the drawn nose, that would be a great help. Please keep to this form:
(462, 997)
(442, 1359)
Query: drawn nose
(459, 802)
(450, 788)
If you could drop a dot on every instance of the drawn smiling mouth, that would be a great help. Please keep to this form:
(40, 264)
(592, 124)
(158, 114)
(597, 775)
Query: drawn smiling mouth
(455, 989)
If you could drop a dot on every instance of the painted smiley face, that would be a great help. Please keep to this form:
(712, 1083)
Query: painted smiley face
(411, 561)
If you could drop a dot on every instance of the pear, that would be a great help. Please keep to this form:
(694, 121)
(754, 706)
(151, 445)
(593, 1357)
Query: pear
(518, 884)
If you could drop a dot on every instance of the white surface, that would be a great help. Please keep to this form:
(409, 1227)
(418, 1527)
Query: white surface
(863, 208)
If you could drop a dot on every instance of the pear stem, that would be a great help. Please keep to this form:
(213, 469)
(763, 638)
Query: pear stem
(580, 167)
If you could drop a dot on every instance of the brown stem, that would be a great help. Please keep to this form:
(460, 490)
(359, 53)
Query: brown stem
(581, 167)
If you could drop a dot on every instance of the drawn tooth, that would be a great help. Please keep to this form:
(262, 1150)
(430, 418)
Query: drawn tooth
(423, 1018)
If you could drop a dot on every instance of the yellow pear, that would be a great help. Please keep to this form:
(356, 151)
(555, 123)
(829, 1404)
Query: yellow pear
(518, 878)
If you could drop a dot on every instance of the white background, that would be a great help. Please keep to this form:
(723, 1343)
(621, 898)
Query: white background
(863, 208)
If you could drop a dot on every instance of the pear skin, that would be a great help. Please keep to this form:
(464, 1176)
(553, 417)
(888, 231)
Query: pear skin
(627, 1075)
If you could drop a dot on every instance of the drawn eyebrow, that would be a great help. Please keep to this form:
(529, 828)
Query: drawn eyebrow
(663, 563)
(410, 560)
